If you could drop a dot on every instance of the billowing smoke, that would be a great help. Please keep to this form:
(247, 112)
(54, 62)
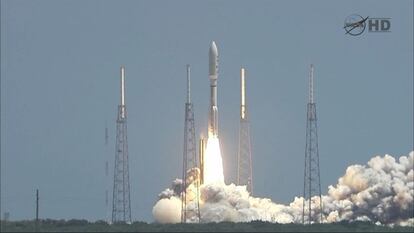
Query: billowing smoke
(168, 207)
(381, 192)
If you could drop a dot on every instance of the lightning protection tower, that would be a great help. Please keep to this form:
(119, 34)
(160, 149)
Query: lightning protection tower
(107, 179)
(312, 183)
(121, 202)
(244, 171)
(190, 209)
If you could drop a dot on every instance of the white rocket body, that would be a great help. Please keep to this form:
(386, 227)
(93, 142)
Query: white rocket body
(213, 75)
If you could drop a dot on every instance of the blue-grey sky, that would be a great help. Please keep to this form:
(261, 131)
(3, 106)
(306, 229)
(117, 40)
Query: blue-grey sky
(60, 86)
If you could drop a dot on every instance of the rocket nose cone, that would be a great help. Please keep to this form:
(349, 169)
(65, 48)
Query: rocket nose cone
(213, 49)
(213, 59)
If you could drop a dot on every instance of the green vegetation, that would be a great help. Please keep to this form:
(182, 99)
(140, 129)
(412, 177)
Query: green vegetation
(75, 225)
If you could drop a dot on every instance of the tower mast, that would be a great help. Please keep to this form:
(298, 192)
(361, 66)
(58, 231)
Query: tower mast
(312, 182)
(244, 169)
(121, 203)
(191, 171)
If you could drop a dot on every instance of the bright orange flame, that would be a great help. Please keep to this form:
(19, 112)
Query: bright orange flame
(213, 163)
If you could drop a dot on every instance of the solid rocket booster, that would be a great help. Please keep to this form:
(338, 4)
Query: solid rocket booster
(213, 75)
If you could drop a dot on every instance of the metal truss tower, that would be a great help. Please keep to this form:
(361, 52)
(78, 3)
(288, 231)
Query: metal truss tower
(121, 202)
(190, 208)
(312, 181)
(244, 170)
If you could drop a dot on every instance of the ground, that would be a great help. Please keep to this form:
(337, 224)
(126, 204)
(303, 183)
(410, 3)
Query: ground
(74, 225)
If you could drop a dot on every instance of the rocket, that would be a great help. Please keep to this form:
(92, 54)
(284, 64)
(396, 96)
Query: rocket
(213, 75)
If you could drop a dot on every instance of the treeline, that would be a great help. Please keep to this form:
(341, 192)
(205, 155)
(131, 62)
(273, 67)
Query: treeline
(80, 225)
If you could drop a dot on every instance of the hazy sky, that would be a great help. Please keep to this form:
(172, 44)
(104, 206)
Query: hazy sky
(60, 86)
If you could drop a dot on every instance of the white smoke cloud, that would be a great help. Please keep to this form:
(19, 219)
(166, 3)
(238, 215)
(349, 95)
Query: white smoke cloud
(381, 191)
(167, 210)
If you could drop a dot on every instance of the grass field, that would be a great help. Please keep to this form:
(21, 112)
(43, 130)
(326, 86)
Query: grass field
(74, 225)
